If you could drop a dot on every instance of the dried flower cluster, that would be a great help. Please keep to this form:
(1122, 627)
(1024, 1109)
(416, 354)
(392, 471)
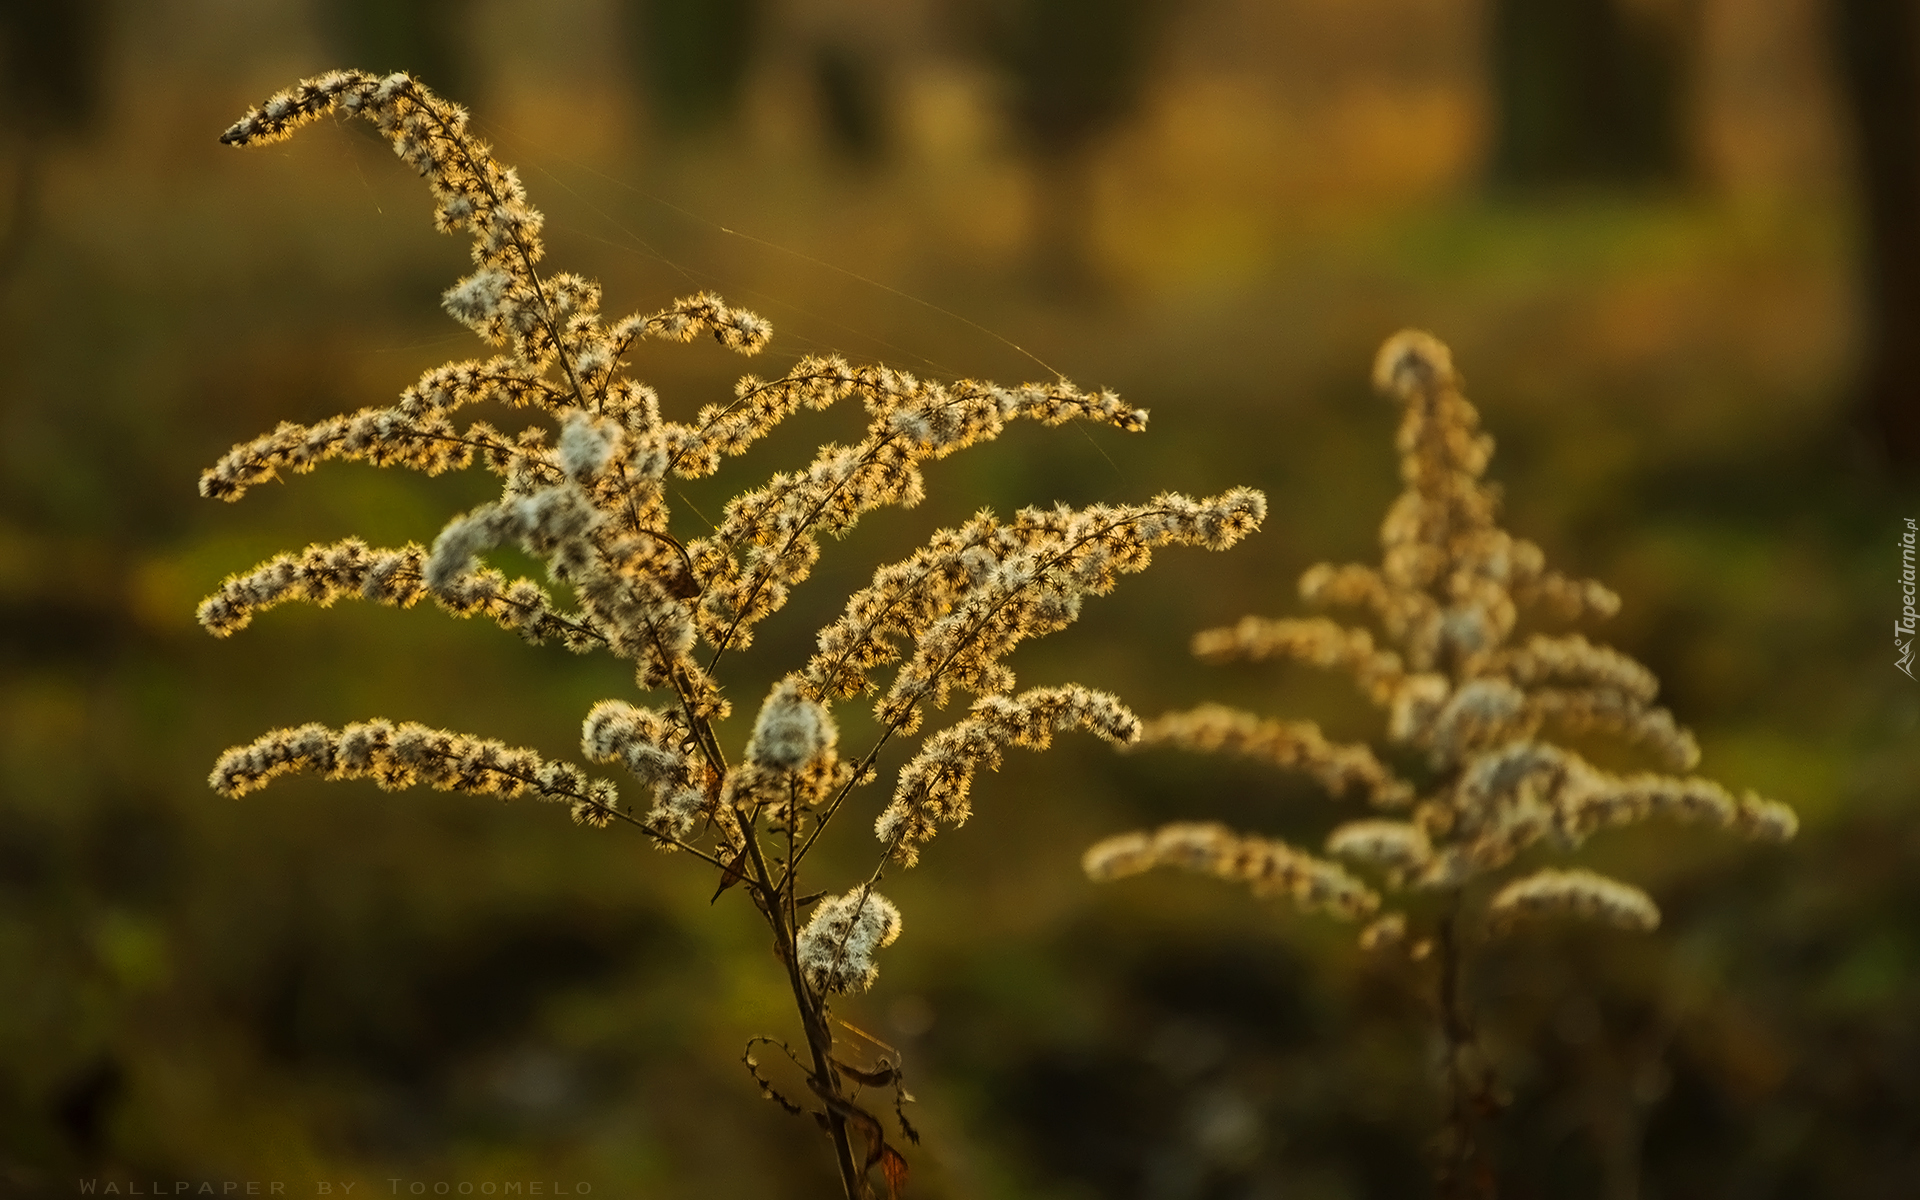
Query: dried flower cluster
(1460, 688)
(1458, 685)
(1268, 866)
(836, 947)
(399, 756)
(591, 503)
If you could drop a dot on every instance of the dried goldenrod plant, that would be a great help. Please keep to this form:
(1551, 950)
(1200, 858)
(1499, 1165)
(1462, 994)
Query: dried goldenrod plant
(592, 504)
(1481, 706)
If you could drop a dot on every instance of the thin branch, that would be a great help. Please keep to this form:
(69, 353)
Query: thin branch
(812, 1019)
(866, 890)
(459, 145)
(859, 775)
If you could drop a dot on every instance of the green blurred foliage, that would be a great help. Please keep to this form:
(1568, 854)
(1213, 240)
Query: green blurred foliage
(331, 983)
(694, 57)
(420, 36)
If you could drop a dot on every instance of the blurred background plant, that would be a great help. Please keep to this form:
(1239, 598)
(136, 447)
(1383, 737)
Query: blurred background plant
(1679, 320)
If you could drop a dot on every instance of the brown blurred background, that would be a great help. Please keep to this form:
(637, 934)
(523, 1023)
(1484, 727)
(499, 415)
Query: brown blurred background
(1672, 242)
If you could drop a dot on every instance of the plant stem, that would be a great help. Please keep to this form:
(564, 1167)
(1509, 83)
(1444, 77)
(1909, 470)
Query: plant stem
(812, 1017)
(1463, 1171)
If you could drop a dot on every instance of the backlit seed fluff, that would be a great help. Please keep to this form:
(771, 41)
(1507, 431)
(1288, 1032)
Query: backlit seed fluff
(1297, 745)
(1395, 845)
(1482, 708)
(644, 739)
(585, 446)
(1413, 706)
(401, 755)
(586, 488)
(1118, 857)
(1410, 361)
(1576, 893)
(1268, 866)
(477, 297)
(1766, 820)
(677, 812)
(934, 786)
(837, 947)
(791, 729)
(1384, 932)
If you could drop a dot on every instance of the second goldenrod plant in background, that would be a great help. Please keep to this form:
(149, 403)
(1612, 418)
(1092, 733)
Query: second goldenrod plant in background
(592, 505)
(1481, 707)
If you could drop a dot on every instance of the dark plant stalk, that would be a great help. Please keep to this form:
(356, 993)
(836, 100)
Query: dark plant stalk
(1463, 1171)
(775, 900)
(812, 1015)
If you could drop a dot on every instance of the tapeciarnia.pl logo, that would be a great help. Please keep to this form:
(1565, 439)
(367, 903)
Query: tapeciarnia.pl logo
(1903, 628)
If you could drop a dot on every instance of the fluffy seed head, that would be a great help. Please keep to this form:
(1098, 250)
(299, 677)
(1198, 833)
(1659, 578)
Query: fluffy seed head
(791, 729)
(837, 947)
(1410, 361)
(1439, 654)
(586, 445)
(1576, 893)
(1396, 845)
